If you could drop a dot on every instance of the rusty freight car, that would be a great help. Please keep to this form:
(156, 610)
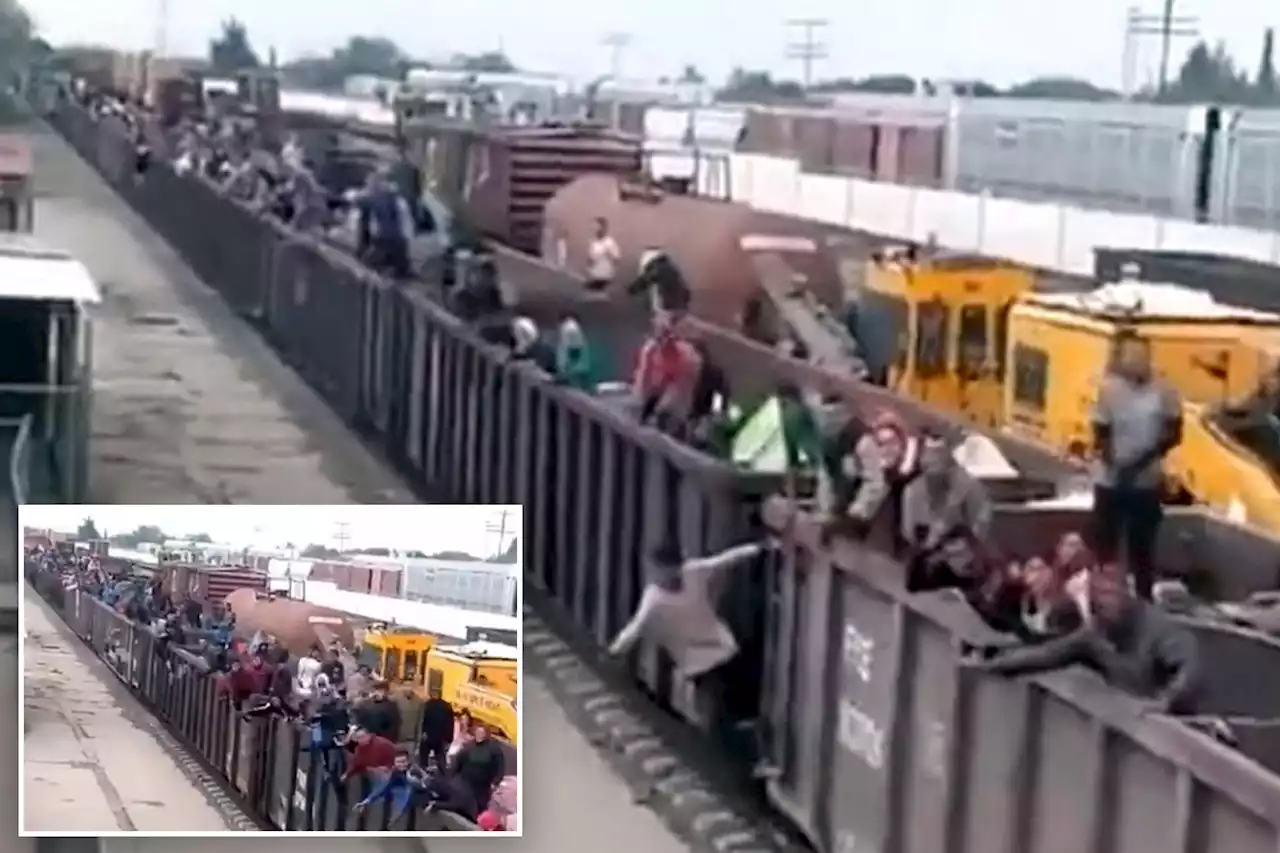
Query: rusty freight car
(863, 143)
(210, 584)
(713, 242)
(501, 176)
(299, 625)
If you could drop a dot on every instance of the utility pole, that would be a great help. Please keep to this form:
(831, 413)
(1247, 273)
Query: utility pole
(162, 28)
(617, 42)
(807, 45)
(498, 527)
(1167, 26)
(341, 535)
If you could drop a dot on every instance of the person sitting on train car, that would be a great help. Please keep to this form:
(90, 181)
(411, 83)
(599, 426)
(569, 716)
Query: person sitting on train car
(676, 610)
(1134, 645)
(1137, 420)
(660, 278)
(529, 345)
(379, 714)
(368, 752)
(852, 486)
(602, 257)
(479, 294)
(666, 374)
(575, 362)
(399, 784)
(1048, 607)
(900, 455)
(944, 506)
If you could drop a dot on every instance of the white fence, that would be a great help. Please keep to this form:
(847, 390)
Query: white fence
(1055, 237)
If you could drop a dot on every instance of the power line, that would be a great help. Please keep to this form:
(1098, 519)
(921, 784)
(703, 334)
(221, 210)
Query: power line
(499, 527)
(341, 535)
(808, 45)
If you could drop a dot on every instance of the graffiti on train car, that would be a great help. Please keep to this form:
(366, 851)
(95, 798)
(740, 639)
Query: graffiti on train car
(857, 731)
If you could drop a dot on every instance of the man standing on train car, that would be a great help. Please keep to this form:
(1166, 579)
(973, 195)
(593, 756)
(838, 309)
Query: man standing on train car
(1136, 422)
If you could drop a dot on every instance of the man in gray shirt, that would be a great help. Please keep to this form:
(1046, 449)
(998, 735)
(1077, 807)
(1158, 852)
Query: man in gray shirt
(1136, 422)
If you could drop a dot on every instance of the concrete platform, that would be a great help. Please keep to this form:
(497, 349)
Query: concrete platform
(91, 761)
(192, 407)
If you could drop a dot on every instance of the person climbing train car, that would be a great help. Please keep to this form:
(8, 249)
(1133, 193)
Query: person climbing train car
(677, 612)
(1136, 422)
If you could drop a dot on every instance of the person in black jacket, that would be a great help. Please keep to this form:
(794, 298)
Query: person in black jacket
(437, 731)
(480, 765)
(379, 715)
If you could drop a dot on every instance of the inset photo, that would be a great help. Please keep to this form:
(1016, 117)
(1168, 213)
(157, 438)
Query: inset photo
(201, 670)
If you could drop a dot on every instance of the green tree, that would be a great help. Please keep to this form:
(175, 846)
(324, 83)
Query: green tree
(319, 552)
(1266, 82)
(199, 537)
(508, 556)
(692, 75)
(760, 87)
(1061, 89)
(87, 530)
(489, 62)
(232, 51)
(140, 534)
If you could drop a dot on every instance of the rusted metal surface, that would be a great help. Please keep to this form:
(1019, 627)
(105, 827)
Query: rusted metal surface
(211, 583)
(938, 758)
(296, 624)
(879, 740)
(705, 238)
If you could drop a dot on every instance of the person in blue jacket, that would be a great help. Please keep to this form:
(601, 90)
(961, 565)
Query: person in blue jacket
(399, 785)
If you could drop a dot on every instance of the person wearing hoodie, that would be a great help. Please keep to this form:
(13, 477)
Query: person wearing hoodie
(529, 346)
(1134, 645)
(575, 365)
(379, 714)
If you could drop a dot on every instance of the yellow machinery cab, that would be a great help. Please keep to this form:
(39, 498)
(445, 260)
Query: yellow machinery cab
(1059, 346)
(397, 655)
(481, 678)
(17, 185)
(937, 321)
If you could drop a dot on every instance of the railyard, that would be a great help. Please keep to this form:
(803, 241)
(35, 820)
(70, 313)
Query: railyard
(192, 407)
(926, 737)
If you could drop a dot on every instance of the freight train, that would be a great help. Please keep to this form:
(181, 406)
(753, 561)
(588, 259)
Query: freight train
(1213, 163)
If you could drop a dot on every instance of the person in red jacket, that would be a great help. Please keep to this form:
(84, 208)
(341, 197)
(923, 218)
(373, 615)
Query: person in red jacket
(244, 681)
(371, 752)
(666, 373)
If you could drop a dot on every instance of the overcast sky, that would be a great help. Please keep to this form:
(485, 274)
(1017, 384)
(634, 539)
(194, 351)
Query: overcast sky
(998, 40)
(427, 528)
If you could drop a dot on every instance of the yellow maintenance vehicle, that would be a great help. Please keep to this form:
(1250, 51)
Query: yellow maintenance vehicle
(991, 343)
(939, 320)
(479, 676)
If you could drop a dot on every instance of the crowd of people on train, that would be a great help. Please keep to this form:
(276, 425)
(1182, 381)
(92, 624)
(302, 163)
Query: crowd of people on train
(416, 754)
(1085, 599)
(1073, 603)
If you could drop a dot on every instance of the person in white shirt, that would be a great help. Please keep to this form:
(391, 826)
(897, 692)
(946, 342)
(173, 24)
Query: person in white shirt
(602, 257)
(678, 611)
(308, 674)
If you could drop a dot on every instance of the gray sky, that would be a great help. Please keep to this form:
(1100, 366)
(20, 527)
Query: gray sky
(998, 40)
(424, 527)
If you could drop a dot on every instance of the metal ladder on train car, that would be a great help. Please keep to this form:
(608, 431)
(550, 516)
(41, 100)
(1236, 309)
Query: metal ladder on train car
(809, 322)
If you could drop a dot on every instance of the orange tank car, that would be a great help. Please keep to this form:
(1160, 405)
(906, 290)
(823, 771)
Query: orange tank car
(296, 624)
(711, 241)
